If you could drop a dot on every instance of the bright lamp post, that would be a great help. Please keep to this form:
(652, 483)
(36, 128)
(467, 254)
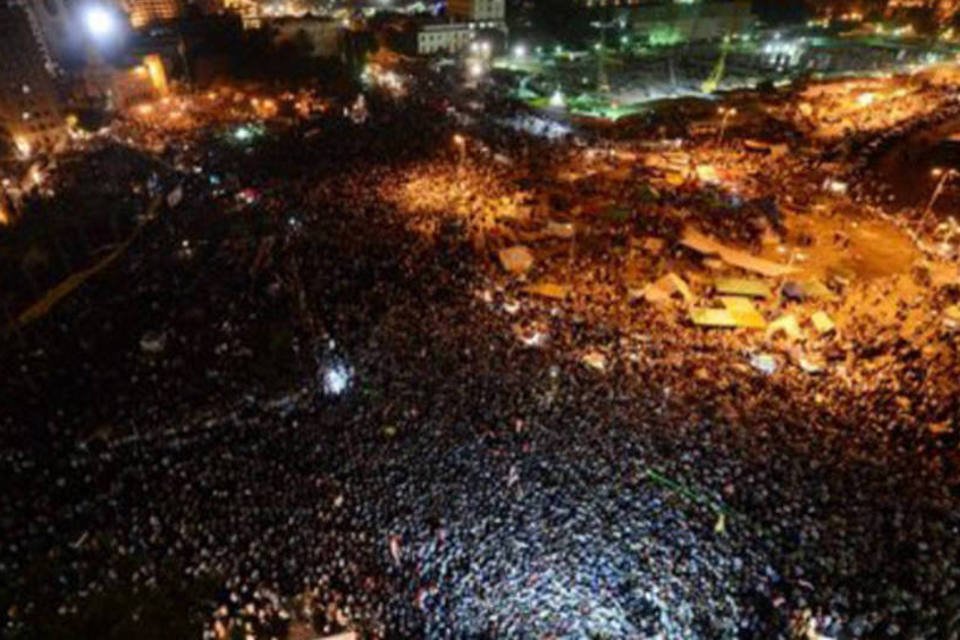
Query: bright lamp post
(726, 113)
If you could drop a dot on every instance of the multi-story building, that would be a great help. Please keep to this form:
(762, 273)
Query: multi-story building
(669, 21)
(57, 30)
(492, 11)
(705, 20)
(145, 12)
(29, 103)
(249, 11)
(444, 37)
(466, 21)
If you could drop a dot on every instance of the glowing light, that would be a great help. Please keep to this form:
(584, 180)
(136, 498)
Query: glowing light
(557, 100)
(36, 175)
(836, 187)
(336, 378)
(520, 51)
(23, 146)
(475, 69)
(157, 72)
(100, 22)
(665, 36)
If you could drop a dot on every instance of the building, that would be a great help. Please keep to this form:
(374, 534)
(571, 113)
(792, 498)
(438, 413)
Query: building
(669, 22)
(448, 37)
(319, 37)
(146, 12)
(114, 87)
(672, 21)
(29, 102)
(483, 11)
(61, 27)
(56, 28)
(467, 20)
(248, 10)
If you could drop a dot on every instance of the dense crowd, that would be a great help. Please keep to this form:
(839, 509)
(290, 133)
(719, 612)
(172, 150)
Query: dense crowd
(296, 409)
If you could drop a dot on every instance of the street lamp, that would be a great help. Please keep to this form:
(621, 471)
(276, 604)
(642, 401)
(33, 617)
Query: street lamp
(943, 177)
(726, 113)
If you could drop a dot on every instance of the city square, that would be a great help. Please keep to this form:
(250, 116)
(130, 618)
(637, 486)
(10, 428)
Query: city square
(492, 337)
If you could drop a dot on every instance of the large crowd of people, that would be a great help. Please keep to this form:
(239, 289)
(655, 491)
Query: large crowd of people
(294, 406)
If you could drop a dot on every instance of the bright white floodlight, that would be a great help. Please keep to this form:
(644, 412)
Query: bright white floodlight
(100, 22)
(336, 378)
